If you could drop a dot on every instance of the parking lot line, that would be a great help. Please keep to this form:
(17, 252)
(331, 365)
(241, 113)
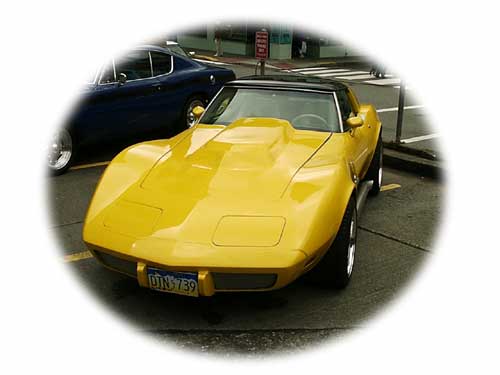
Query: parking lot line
(389, 187)
(77, 256)
(92, 165)
(420, 138)
(393, 109)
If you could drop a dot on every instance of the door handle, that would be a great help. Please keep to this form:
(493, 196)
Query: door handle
(156, 86)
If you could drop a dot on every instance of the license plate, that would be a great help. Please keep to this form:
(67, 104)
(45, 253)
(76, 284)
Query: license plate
(185, 283)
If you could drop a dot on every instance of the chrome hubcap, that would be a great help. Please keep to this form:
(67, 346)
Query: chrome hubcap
(60, 150)
(351, 250)
(191, 119)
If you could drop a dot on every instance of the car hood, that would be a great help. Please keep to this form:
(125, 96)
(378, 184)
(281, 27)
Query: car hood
(252, 159)
(216, 186)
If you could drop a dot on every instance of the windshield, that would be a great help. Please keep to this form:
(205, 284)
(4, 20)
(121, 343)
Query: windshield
(304, 110)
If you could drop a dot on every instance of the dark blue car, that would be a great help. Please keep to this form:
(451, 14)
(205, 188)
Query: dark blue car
(147, 89)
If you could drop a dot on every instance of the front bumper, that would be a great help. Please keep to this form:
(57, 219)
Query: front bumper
(211, 279)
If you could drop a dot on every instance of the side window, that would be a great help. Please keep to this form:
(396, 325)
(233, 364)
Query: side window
(345, 105)
(162, 63)
(107, 73)
(135, 65)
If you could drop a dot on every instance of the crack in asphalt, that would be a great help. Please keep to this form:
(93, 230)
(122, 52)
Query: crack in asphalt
(66, 224)
(389, 237)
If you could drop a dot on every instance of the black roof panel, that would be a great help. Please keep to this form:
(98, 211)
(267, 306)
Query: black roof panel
(293, 81)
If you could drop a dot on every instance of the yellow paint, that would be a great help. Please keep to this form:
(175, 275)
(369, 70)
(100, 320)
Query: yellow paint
(77, 256)
(92, 165)
(142, 275)
(389, 187)
(166, 203)
(205, 283)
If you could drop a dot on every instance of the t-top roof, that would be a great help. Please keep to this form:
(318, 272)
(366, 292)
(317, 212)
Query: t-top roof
(293, 81)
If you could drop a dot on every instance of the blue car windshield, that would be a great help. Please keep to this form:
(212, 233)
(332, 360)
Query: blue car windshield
(304, 110)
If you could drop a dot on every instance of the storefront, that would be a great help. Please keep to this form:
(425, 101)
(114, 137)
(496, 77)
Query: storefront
(239, 39)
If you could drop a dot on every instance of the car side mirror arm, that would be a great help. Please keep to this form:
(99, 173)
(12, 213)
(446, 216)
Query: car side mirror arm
(122, 78)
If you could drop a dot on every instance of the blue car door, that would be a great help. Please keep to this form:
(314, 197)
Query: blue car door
(165, 102)
(120, 107)
(135, 98)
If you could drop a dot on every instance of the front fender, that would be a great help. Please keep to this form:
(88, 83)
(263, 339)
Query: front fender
(127, 168)
(319, 195)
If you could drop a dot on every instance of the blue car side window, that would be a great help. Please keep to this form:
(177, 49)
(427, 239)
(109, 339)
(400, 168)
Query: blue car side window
(162, 63)
(135, 65)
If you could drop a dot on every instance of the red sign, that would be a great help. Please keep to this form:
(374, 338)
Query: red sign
(261, 45)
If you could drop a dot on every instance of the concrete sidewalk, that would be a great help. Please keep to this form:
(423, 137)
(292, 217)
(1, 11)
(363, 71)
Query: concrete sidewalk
(295, 63)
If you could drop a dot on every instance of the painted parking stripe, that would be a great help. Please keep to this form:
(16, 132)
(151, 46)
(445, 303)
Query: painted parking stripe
(407, 88)
(348, 73)
(211, 62)
(384, 82)
(307, 69)
(77, 256)
(390, 187)
(393, 109)
(359, 76)
(318, 72)
(420, 138)
(92, 165)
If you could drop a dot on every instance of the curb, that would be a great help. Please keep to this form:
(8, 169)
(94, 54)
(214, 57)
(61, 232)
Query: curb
(413, 164)
(287, 64)
(426, 154)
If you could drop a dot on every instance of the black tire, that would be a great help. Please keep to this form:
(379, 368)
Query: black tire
(62, 152)
(193, 101)
(335, 268)
(375, 170)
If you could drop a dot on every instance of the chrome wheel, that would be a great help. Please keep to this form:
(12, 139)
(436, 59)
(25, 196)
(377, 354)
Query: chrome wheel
(351, 249)
(190, 118)
(60, 150)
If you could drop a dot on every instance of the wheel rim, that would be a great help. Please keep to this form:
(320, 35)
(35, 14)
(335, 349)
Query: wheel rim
(351, 250)
(60, 150)
(190, 118)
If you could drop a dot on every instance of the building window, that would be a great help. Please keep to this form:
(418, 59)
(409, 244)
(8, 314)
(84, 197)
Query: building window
(199, 32)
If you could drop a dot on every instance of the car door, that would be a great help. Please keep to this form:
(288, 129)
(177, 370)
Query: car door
(166, 101)
(356, 139)
(134, 99)
(117, 109)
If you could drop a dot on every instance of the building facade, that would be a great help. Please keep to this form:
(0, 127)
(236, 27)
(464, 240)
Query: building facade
(285, 42)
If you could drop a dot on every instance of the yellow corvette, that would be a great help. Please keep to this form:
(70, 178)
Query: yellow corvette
(264, 188)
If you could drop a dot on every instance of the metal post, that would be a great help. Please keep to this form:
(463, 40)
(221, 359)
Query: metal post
(262, 67)
(401, 108)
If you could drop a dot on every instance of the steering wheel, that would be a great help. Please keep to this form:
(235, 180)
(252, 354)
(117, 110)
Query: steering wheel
(313, 119)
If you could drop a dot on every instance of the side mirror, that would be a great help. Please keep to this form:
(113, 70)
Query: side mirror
(198, 111)
(354, 122)
(122, 78)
